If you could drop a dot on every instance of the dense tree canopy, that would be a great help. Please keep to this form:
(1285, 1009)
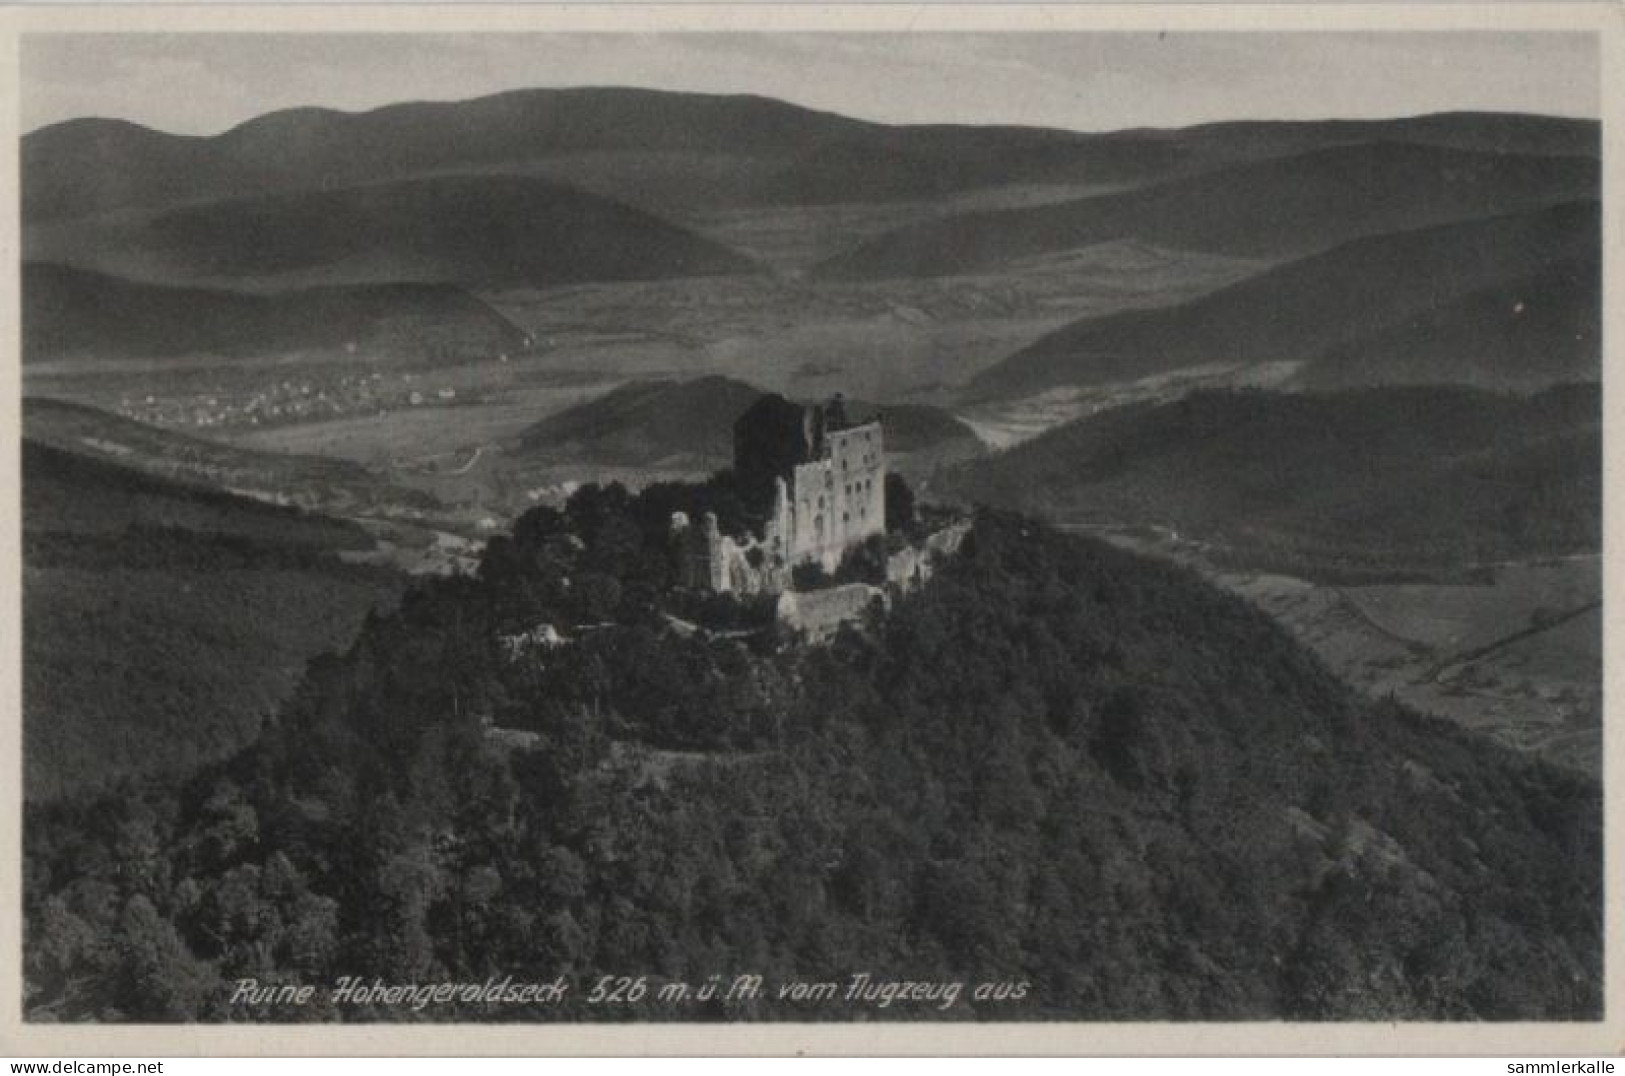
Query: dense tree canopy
(1056, 764)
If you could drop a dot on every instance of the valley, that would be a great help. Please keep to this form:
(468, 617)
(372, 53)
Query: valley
(415, 412)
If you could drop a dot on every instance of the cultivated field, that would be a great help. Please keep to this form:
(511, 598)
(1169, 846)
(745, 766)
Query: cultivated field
(1519, 658)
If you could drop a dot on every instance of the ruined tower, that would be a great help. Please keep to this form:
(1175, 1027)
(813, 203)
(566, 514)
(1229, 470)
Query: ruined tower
(815, 478)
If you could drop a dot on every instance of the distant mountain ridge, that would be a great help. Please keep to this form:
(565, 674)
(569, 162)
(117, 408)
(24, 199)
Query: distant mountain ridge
(545, 187)
(92, 166)
(1493, 132)
(1280, 206)
(775, 152)
(1317, 310)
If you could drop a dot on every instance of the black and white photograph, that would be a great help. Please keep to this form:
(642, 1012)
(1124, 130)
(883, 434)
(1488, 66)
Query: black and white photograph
(825, 526)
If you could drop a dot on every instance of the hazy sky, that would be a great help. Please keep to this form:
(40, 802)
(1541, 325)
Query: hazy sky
(205, 83)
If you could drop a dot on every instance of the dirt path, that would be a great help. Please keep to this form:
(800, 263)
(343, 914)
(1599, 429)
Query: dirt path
(1450, 661)
(479, 450)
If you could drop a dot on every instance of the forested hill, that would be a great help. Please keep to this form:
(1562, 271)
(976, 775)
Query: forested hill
(1057, 764)
(682, 150)
(1425, 477)
(166, 619)
(1275, 207)
(1341, 308)
(70, 314)
(452, 231)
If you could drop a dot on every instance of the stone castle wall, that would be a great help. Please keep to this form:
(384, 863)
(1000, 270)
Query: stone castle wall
(836, 502)
(911, 566)
(821, 508)
(819, 614)
(707, 559)
(713, 561)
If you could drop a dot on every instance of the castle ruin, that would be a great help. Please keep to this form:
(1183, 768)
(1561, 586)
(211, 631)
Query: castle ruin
(822, 480)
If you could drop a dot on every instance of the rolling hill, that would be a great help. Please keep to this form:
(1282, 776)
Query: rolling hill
(676, 151)
(138, 656)
(73, 314)
(1302, 312)
(926, 163)
(1539, 330)
(92, 166)
(466, 230)
(690, 423)
(882, 164)
(1488, 132)
(71, 493)
(1396, 477)
(1088, 772)
(315, 483)
(1280, 207)
(644, 422)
